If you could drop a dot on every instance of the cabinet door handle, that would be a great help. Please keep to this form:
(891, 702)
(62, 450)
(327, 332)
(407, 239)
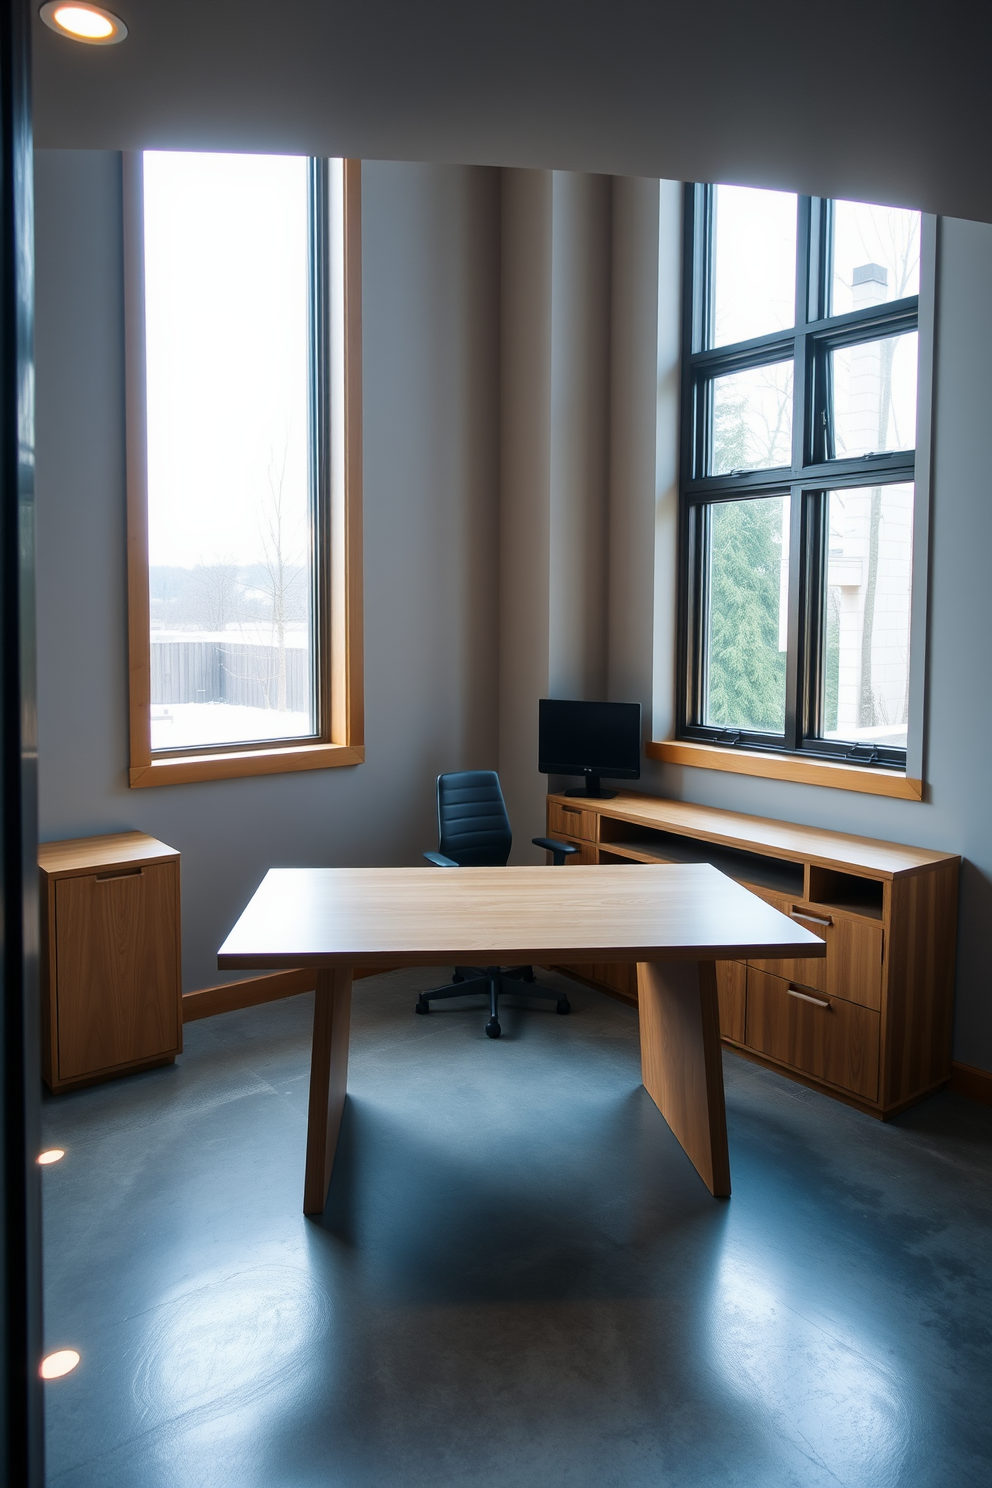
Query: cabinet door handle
(819, 1002)
(119, 873)
(799, 914)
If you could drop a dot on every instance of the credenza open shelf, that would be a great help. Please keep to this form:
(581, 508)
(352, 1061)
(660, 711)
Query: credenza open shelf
(870, 1023)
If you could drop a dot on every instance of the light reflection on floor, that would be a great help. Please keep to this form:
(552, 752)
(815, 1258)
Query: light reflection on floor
(824, 1390)
(518, 1278)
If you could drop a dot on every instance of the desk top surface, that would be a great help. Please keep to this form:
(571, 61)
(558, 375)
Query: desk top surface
(438, 916)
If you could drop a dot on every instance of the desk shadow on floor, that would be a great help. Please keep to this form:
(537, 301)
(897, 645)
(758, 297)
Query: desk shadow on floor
(579, 1212)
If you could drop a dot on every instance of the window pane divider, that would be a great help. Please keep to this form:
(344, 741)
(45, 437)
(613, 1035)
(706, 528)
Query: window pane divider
(793, 668)
(763, 351)
(889, 312)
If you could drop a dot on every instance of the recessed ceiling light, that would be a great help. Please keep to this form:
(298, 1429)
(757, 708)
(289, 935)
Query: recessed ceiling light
(54, 1154)
(58, 1364)
(89, 23)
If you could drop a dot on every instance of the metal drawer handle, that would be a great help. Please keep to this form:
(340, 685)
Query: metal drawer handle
(121, 873)
(798, 914)
(805, 997)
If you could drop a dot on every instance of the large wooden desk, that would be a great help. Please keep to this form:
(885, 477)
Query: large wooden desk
(674, 921)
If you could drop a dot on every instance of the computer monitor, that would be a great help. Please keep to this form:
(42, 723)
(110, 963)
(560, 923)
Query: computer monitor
(590, 739)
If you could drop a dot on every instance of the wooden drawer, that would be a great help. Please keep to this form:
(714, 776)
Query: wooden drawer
(826, 1037)
(731, 977)
(117, 968)
(852, 967)
(571, 821)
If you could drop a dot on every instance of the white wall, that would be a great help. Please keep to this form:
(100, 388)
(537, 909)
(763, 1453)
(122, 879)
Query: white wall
(430, 265)
(554, 448)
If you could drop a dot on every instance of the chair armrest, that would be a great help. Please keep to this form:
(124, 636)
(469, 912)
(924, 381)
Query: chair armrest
(440, 861)
(559, 850)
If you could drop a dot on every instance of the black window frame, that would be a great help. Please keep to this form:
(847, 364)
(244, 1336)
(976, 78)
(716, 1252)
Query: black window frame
(807, 483)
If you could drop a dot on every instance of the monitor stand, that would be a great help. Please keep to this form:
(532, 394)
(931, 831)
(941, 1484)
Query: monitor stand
(592, 790)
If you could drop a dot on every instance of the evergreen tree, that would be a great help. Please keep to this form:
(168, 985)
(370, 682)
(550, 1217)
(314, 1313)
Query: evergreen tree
(746, 667)
(746, 671)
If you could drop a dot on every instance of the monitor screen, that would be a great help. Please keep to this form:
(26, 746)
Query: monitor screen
(589, 738)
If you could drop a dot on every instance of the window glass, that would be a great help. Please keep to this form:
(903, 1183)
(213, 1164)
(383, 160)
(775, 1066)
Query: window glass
(821, 668)
(228, 337)
(876, 256)
(754, 290)
(874, 396)
(752, 419)
(747, 614)
(865, 687)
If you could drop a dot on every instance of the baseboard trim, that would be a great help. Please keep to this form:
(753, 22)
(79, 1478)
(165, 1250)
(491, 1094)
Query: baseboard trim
(229, 997)
(603, 987)
(976, 1084)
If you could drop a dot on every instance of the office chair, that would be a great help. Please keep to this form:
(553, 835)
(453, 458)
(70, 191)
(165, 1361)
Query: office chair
(473, 831)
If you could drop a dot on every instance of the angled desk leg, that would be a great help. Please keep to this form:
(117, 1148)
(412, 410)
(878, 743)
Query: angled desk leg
(328, 1079)
(681, 1064)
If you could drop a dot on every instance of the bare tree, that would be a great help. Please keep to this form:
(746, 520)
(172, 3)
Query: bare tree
(281, 532)
(213, 596)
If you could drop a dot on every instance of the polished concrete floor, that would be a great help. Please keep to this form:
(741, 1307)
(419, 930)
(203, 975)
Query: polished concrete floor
(518, 1280)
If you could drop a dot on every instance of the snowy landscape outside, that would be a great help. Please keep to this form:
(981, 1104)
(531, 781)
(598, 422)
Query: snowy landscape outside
(227, 326)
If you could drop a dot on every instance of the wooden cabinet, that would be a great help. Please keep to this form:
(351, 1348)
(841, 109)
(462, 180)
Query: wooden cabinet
(870, 1023)
(825, 1037)
(852, 967)
(111, 983)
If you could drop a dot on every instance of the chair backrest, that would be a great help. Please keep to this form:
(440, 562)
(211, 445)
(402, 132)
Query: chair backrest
(472, 825)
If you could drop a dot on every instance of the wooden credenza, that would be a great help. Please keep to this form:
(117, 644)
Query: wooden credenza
(871, 1022)
(110, 958)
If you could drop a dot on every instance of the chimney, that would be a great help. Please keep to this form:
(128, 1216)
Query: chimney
(866, 283)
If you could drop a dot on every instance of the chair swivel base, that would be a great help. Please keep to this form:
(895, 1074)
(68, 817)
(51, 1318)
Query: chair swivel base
(468, 980)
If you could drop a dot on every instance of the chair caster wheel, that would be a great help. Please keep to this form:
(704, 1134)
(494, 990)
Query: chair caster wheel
(422, 1007)
(564, 1006)
(493, 1029)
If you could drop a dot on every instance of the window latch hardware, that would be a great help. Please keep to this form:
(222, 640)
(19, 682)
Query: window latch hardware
(866, 754)
(729, 736)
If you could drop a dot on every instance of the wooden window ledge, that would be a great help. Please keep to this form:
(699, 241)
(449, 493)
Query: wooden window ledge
(183, 769)
(805, 770)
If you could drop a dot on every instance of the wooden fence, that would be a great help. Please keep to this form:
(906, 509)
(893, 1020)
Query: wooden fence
(230, 672)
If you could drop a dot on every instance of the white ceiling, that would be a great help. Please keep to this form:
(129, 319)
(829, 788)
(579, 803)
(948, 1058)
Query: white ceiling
(787, 93)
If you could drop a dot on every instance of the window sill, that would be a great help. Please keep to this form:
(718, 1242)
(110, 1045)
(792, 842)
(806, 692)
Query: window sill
(184, 769)
(787, 767)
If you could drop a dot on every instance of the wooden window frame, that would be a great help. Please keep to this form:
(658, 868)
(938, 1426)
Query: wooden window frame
(340, 680)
